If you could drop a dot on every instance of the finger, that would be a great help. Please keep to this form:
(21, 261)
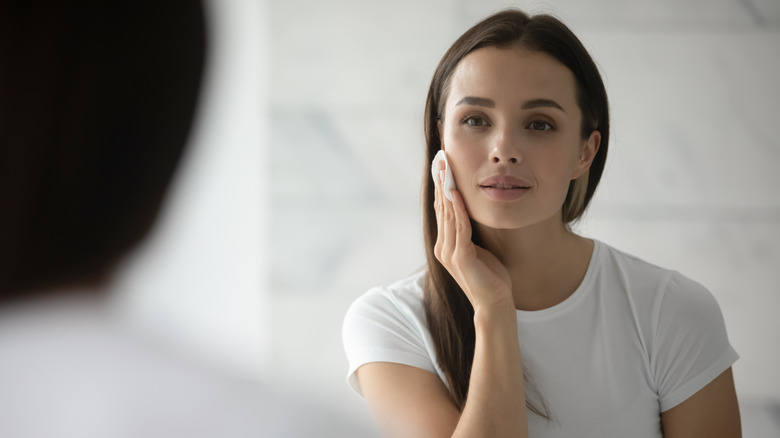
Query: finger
(448, 227)
(438, 209)
(441, 173)
(462, 225)
(439, 226)
(438, 196)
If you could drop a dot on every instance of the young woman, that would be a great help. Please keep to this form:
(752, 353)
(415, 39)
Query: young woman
(519, 327)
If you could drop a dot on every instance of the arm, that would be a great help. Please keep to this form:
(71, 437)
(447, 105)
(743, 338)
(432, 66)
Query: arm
(410, 402)
(713, 412)
(407, 402)
(495, 405)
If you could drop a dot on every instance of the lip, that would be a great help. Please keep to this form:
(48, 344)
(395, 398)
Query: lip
(504, 187)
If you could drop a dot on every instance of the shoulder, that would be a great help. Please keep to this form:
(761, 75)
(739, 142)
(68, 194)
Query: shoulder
(681, 324)
(686, 310)
(388, 324)
(642, 284)
(685, 315)
(657, 295)
(690, 345)
(658, 290)
(402, 300)
(630, 268)
(687, 304)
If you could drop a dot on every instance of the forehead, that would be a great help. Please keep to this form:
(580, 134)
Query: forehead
(511, 76)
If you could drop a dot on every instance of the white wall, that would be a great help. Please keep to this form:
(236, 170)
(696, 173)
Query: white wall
(201, 277)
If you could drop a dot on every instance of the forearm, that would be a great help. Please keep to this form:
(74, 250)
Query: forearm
(495, 405)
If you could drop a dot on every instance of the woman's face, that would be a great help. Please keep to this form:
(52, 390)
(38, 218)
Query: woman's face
(511, 130)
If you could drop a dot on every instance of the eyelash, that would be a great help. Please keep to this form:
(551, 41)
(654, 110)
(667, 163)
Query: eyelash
(471, 117)
(548, 126)
(468, 119)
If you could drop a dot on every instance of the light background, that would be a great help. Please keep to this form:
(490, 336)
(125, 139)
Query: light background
(301, 189)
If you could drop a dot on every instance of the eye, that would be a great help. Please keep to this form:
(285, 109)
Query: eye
(475, 121)
(540, 125)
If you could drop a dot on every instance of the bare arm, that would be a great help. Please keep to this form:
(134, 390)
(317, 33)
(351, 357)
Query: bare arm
(410, 402)
(713, 412)
(407, 402)
(495, 405)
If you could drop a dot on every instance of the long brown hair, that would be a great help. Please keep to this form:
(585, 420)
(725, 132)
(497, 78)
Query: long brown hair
(448, 310)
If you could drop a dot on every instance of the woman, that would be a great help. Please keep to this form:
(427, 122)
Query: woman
(519, 327)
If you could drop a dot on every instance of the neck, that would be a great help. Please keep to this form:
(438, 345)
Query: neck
(546, 262)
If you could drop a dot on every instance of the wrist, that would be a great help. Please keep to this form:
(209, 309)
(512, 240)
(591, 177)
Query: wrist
(496, 331)
(498, 313)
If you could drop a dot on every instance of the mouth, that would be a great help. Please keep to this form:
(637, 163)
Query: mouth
(503, 186)
(504, 182)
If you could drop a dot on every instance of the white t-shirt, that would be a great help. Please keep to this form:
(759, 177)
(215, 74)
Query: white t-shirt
(632, 341)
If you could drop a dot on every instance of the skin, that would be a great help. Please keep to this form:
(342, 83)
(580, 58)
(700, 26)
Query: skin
(511, 112)
(518, 135)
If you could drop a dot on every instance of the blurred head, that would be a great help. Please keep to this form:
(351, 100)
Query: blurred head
(96, 103)
(514, 96)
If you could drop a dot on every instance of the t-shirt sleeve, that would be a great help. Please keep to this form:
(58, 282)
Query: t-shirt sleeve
(378, 328)
(691, 347)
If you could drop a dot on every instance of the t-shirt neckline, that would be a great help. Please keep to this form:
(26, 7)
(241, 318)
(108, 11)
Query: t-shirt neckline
(571, 300)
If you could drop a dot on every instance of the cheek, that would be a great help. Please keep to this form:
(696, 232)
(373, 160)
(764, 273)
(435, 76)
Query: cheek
(464, 161)
(561, 167)
(562, 161)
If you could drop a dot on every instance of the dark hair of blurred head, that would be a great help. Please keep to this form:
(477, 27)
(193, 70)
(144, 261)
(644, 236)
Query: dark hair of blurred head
(96, 102)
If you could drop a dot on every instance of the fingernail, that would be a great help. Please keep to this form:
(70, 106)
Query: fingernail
(441, 176)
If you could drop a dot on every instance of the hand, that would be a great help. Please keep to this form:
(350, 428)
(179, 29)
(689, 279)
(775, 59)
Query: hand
(479, 273)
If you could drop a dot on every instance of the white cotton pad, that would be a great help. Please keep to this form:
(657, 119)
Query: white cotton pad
(449, 181)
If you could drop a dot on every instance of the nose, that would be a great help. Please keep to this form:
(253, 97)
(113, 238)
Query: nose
(498, 158)
(505, 149)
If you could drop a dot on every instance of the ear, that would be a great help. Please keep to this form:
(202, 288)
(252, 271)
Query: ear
(440, 128)
(587, 154)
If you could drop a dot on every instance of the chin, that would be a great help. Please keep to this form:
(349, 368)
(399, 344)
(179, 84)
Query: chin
(500, 223)
(514, 220)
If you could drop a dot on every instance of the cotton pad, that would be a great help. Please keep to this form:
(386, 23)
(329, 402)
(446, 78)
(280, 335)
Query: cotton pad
(449, 181)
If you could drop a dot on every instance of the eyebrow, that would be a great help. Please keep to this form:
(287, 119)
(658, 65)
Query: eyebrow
(479, 101)
(542, 103)
(531, 104)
